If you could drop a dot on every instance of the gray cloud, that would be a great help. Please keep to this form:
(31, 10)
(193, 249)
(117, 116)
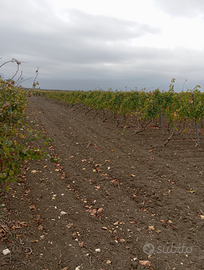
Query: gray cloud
(87, 51)
(181, 8)
(102, 28)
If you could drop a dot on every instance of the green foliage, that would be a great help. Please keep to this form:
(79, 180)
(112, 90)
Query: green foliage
(146, 105)
(15, 132)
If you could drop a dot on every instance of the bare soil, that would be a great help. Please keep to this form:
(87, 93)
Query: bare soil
(115, 200)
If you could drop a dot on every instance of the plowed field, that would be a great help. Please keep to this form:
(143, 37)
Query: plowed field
(115, 200)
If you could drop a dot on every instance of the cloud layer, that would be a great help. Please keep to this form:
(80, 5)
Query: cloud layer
(77, 50)
(181, 8)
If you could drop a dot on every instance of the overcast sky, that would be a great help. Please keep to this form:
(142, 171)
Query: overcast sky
(102, 44)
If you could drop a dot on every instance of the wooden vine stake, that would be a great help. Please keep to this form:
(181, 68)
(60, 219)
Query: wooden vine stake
(161, 124)
(196, 125)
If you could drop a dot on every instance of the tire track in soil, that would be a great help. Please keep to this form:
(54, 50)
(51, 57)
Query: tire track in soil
(153, 205)
(149, 193)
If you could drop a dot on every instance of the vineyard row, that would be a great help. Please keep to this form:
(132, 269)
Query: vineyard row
(146, 106)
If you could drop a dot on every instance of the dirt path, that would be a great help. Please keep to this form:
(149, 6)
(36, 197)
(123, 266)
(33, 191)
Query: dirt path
(110, 195)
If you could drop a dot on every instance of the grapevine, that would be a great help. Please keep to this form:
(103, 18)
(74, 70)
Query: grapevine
(146, 106)
(15, 132)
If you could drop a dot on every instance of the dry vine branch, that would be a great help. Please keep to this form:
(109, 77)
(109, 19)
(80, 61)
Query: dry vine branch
(96, 114)
(169, 138)
(143, 129)
(17, 70)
